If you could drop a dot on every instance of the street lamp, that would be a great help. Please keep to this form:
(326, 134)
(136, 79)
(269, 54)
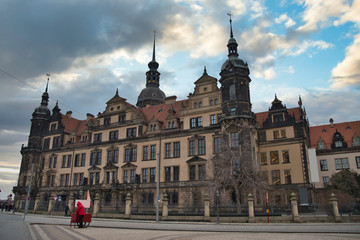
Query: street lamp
(217, 206)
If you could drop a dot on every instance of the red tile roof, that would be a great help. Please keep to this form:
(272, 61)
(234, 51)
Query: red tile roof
(73, 125)
(261, 116)
(326, 132)
(161, 112)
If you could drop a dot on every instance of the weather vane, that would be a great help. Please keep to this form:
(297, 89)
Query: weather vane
(229, 14)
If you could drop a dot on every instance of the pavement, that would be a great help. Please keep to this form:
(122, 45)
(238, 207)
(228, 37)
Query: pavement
(58, 227)
(353, 228)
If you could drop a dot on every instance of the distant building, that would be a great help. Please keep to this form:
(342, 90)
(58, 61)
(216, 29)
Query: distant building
(117, 151)
(337, 147)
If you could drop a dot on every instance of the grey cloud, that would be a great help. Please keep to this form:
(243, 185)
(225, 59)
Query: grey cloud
(45, 36)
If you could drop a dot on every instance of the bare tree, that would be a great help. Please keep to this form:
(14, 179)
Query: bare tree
(235, 168)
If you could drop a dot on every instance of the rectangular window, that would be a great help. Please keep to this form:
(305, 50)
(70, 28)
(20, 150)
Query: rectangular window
(232, 111)
(107, 177)
(56, 142)
(67, 179)
(196, 122)
(52, 180)
(167, 150)
(50, 162)
(95, 158)
(279, 134)
(236, 166)
(63, 164)
(274, 157)
(176, 149)
(192, 176)
(201, 149)
(286, 156)
(77, 160)
(113, 135)
(91, 179)
(235, 140)
(53, 127)
(122, 118)
(217, 145)
(212, 119)
(152, 174)
(81, 178)
(323, 165)
(192, 147)
(69, 161)
(153, 152)
(62, 180)
(109, 156)
(287, 176)
(357, 159)
(126, 176)
(167, 174)
(278, 118)
(130, 155)
(107, 121)
(144, 175)
(202, 172)
(176, 173)
(131, 132)
(97, 137)
(83, 159)
(97, 178)
(341, 163)
(116, 156)
(263, 158)
(76, 179)
(55, 162)
(326, 180)
(113, 176)
(146, 153)
(275, 175)
(46, 143)
(132, 176)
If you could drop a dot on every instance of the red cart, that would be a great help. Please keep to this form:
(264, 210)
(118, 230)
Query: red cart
(75, 220)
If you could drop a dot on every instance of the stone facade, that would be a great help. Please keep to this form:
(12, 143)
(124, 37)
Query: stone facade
(115, 154)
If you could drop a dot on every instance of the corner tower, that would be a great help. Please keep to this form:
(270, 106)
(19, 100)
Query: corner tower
(152, 94)
(235, 82)
(238, 122)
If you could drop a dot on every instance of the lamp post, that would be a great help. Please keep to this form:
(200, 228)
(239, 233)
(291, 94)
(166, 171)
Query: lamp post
(217, 207)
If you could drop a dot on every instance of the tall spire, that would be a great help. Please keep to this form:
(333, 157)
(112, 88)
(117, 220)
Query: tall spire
(231, 32)
(153, 57)
(45, 96)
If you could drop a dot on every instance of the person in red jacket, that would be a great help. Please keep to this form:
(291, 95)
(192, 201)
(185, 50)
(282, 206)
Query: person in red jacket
(80, 213)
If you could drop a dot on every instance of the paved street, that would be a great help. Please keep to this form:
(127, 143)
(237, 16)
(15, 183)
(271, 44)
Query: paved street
(56, 227)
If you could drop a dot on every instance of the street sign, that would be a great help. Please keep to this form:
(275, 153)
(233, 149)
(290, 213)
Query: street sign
(59, 198)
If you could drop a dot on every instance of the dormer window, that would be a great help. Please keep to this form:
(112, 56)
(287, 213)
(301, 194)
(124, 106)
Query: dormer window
(171, 124)
(278, 118)
(338, 144)
(122, 118)
(356, 140)
(53, 127)
(106, 121)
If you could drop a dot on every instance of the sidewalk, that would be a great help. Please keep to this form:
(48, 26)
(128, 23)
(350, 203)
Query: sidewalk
(353, 228)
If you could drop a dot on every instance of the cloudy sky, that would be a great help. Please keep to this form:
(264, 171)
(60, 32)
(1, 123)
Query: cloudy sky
(297, 47)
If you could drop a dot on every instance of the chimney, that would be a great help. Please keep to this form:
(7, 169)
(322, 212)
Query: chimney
(89, 116)
(68, 114)
(331, 122)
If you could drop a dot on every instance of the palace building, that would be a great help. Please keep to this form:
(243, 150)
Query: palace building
(122, 149)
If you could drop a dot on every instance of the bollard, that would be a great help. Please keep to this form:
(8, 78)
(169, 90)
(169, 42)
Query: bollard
(165, 210)
(251, 208)
(335, 208)
(96, 204)
(206, 207)
(294, 208)
(128, 206)
(37, 200)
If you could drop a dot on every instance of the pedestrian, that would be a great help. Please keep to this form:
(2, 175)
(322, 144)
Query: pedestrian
(66, 210)
(80, 213)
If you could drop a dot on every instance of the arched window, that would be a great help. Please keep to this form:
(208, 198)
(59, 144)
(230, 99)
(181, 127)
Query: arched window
(200, 104)
(196, 105)
(216, 101)
(211, 102)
